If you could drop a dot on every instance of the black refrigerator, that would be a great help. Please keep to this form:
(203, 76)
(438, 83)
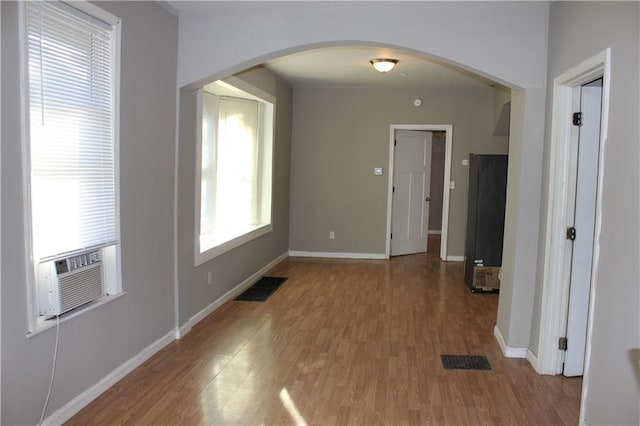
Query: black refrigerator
(485, 221)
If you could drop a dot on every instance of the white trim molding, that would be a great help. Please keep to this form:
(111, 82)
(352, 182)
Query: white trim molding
(448, 149)
(71, 408)
(555, 288)
(434, 232)
(508, 351)
(112, 269)
(262, 200)
(336, 255)
(455, 258)
(185, 328)
(533, 360)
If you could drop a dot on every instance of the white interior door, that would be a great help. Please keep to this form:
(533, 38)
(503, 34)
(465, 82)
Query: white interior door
(585, 165)
(411, 190)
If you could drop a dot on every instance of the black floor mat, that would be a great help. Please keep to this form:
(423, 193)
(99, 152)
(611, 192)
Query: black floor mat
(465, 362)
(260, 291)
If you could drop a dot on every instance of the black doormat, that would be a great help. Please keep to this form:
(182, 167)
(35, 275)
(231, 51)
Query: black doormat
(260, 291)
(465, 362)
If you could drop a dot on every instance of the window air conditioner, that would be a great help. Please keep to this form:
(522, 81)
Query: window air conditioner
(65, 284)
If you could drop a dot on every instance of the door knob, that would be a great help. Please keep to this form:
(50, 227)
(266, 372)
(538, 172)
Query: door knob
(428, 199)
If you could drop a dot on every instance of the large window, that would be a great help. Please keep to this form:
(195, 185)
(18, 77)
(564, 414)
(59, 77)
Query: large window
(71, 139)
(234, 173)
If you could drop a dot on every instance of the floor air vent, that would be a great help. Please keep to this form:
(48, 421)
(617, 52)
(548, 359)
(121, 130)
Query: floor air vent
(262, 290)
(465, 362)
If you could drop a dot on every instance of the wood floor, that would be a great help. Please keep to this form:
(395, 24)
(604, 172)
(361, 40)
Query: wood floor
(342, 342)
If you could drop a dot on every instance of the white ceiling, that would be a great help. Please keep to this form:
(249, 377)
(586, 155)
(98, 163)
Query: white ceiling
(348, 66)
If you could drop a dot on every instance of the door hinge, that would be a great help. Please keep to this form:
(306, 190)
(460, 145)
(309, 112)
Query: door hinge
(394, 189)
(571, 233)
(391, 236)
(562, 343)
(395, 142)
(577, 119)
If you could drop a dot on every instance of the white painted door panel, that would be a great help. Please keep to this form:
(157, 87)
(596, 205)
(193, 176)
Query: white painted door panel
(411, 181)
(584, 223)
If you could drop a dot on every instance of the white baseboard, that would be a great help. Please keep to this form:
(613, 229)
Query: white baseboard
(434, 232)
(79, 402)
(186, 327)
(336, 255)
(455, 258)
(508, 351)
(71, 408)
(533, 360)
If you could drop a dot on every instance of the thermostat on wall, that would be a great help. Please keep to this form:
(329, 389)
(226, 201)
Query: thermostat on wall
(417, 102)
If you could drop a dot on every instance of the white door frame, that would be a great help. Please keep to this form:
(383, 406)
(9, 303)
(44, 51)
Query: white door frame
(448, 128)
(555, 289)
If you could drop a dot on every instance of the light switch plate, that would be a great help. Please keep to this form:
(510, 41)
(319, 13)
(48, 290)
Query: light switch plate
(378, 171)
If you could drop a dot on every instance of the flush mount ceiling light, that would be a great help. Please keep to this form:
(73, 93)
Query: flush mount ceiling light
(383, 64)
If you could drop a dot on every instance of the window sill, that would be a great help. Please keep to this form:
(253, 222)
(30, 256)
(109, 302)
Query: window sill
(213, 252)
(43, 325)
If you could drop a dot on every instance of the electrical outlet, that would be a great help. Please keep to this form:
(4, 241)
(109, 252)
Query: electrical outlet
(210, 278)
(332, 235)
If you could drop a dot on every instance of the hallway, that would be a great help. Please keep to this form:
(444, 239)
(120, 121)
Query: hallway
(342, 342)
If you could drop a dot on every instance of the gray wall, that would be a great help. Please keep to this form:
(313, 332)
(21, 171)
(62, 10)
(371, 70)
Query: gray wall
(98, 341)
(437, 182)
(235, 266)
(577, 31)
(340, 135)
(502, 112)
(238, 35)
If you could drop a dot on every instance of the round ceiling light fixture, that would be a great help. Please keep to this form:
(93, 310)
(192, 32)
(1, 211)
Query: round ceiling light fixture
(383, 64)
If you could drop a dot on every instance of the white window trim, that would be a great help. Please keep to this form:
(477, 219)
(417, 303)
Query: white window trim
(35, 323)
(207, 255)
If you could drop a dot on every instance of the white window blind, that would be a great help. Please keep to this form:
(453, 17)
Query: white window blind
(235, 172)
(72, 141)
(229, 169)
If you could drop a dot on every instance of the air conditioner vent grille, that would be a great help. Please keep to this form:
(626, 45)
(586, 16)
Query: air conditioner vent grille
(80, 287)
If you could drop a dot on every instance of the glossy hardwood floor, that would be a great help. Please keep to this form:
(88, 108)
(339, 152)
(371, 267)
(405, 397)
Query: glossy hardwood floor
(342, 342)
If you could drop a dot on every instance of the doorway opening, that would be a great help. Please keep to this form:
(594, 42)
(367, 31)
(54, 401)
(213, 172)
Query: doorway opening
(422, 196)
(574, 216)
(583, 167)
